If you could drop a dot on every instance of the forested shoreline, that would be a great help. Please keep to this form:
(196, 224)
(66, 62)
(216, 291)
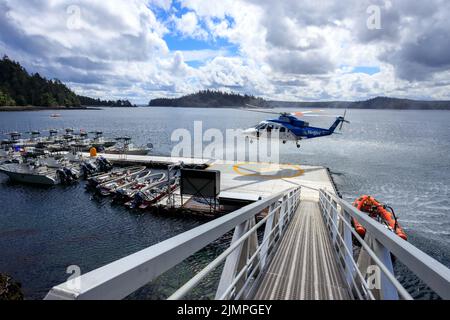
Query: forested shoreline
(20, 90)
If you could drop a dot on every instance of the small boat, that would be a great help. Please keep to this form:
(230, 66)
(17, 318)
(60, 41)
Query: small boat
(146, 198)
(382, 213)
(30, 173)
(126, 147)
(99, 142)
(105, 189)
(55, 115)
(27, 173)
(127, 192)
(101, 178)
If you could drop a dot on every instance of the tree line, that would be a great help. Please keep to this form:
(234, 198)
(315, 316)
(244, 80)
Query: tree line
(209, 98)
(19, 88)
(86, 101)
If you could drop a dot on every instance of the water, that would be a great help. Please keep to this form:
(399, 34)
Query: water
(400, 157)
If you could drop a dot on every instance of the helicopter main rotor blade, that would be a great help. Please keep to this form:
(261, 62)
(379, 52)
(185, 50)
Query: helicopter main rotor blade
(259, 111)
(321, 115)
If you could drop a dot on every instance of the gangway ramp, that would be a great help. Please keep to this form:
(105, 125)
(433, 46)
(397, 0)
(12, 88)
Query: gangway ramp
(305, 266)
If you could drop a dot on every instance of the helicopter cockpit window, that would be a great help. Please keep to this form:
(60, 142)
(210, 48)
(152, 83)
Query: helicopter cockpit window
(262, 126)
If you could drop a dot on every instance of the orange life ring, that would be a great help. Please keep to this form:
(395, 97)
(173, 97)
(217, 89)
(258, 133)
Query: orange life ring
(375, 209)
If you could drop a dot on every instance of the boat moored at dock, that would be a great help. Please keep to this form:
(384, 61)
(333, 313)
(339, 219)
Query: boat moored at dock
(129, 176)
(29, 174)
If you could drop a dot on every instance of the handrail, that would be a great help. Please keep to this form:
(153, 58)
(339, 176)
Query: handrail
(429, 270)
(181, 293)
(377, 261)
(120, 278)
(184, 290)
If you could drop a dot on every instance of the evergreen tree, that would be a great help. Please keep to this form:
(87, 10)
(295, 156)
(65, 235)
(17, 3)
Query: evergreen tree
(25, 89)
(6, 100)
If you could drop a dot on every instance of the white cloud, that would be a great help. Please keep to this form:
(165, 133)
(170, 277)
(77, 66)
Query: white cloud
(291, 49)
(189, 26)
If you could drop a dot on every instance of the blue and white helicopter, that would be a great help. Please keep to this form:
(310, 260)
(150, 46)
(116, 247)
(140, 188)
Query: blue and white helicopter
(289, 128)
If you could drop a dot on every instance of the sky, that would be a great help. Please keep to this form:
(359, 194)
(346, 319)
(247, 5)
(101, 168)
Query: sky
(293, 50)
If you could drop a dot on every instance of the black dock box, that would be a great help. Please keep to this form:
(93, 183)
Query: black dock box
(200, 183)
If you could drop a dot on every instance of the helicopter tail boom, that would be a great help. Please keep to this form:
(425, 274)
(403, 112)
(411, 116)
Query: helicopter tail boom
(336, 124)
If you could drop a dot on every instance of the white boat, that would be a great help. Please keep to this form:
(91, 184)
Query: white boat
(129, 150)
(126, 147)
(102, 178)
(27, 173)
(128, 191)
(109, 187)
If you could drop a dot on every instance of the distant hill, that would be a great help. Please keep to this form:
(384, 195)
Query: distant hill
(91, 102)
(19, 89)
(209, 99)
(218, 99)
(375, 103)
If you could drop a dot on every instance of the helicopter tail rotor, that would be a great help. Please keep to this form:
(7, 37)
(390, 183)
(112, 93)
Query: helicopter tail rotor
(343, 120)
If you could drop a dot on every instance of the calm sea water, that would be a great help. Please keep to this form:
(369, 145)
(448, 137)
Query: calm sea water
(400, 157)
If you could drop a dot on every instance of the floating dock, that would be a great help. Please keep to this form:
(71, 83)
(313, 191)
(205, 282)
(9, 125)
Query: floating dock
(245, 181)
(148, 160)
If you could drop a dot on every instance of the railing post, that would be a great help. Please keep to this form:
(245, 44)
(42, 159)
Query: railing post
(234, 261)
(271, 222)
(334, 215)
(348, 243)
(283, 213)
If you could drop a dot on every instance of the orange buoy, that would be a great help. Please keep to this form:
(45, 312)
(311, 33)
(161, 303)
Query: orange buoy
(376, 211)
(93, 152)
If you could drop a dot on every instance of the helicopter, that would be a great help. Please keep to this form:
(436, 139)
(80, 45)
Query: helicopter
(289, 128)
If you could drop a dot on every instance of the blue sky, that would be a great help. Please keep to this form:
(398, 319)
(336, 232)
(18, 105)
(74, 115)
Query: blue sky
(283, 50)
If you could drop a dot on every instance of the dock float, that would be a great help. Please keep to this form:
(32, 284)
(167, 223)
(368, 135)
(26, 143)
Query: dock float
(148, 160)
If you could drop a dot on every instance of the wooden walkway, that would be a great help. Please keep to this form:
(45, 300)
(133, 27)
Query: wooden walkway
(304, 266)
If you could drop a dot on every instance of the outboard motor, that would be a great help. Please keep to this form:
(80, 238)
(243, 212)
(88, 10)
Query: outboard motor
(119, 195)
(138, 200)
(87, 169)
(62, 176)
(104, 164)
(71, 176)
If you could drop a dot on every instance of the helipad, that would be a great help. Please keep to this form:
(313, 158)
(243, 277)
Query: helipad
(251, 179)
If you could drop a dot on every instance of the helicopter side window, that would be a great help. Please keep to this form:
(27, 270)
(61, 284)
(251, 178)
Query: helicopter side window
(269, 128)
(282, 129)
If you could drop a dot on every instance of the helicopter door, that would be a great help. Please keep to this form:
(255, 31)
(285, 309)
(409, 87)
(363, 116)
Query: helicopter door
(283, 134)
(262, 128)
(270, 128)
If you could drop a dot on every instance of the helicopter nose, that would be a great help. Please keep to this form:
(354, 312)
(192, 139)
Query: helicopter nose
(249, 132)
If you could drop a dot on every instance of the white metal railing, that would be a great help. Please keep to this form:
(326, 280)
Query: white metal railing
(244, 259)
(372, 275)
